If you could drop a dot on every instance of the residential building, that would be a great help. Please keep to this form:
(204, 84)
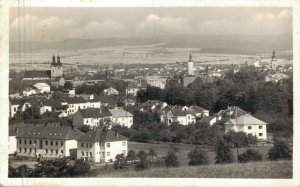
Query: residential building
(152, 105)
(110, 91)
(179, 114)
(15, 106)
(93, 117)
(248, 124)
(101, 146)
(15, 130)
(48, 141)
(42, 87)
(156, 81)
(121, 117)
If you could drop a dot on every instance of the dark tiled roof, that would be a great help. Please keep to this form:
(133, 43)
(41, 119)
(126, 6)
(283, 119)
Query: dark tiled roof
(196, 109)
(16, 101)
(108, 99)
(19, 129)
(75, 100)
(101, 136)
(51, 131)
(37, 74)
(177, 111)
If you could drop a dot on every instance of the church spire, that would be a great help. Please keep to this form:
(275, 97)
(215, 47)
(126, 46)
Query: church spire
(190, 59)
(273, 55)
(53, 60)
(58, 60)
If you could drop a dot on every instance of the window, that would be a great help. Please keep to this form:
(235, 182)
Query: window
(56, 143)
(108, 153)
(56, 151)
(61, 143)
(30, 150)
(91, 155)
(46, 142)
(82, 144)
(123, 143)
(15, 109)
(20, 141)
(124, 152)
(108, 144)
(87, 145)
(82, 153)
(87, 154)
(51, 151)
(249, 127)
(51, 143)
(260, 127)
(46, 150)
(34, 141)
(25, 141)
(34, 150)
(62, 151)
(25, 150)
(20, 149)
(260, 134)
(91, 145)
(30, 142)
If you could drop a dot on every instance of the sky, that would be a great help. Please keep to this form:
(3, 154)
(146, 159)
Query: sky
(55, 24)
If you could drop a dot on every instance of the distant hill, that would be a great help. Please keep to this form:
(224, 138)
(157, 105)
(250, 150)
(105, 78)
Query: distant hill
(238, 44)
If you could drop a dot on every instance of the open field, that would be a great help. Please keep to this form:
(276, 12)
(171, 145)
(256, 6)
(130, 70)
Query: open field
(265, 169)
(184, 149)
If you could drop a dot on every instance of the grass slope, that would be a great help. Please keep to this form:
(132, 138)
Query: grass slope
(266, 169)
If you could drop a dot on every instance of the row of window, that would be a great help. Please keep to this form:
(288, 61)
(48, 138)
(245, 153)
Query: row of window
(87, 145)
(46, 142)
(259, 127)
(30, 150)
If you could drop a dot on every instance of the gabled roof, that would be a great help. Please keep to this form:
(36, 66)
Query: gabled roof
(75, 100)
(231, 112)
(177, 111)
(41, 85)
(19, 129)
(101, 136)
(246, 119)
(108, 99)
(94, 113)
(51, 131)
(196, 109)
(37, 74)
(118, 112)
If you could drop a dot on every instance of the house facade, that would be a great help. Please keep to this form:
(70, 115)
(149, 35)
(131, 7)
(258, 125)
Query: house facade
(248, 124)
(48, 141)
(121, 117)
(91, 116)
(101, 146)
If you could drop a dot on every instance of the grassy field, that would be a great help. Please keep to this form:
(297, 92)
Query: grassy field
(264, 169)
(184, 149)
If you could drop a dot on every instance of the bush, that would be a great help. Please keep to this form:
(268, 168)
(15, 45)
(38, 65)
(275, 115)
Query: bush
(120, 161)
(223, 153)
(280, 150)
(152, 153)
(171, 159)
(80, 167)
(197, 157)
(250, 155)
(143, 162)
(131, 155)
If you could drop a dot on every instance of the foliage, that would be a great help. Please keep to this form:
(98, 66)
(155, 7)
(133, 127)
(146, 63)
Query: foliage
(120, 161)
(131, 155)
(152, 152)
(223, 152)
(80, 167)
(85, 128)
(198, 156)
(143, 162)
(51, 168)
(68, 85)
(21, 171)
(171, 159)
(250, 155)
(280, 150)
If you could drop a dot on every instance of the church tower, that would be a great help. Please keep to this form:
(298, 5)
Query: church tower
(273, 61)
(56, 67)
(191, 66)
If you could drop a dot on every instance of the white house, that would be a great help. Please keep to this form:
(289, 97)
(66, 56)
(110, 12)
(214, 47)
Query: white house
(29, 90)
(179, 114)
(101, 146)
(14, 106)
(76, 103)
(42, 87)
(15, 130)
(198, 111)
(111, 91)
(156, 81)
(121, 117)
(48, 141)
(152, 105)
(248, 124)
(91, 116)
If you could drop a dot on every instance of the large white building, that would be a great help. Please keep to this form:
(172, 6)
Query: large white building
(121, 117)
(248, 124)
(91, 116)
(101, 146)
(48, 141)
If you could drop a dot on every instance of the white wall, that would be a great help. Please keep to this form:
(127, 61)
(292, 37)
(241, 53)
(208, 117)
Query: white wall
(115, 148)
(70, 144)
(13, 110)
(12, 144)
(44, 109)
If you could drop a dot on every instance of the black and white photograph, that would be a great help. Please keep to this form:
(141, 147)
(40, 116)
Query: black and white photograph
(151, 92)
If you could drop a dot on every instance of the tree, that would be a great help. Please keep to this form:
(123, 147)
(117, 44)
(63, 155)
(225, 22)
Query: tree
(223, 152)
(131, 155)
(171, 159)
(280, 150)
(152, 153)
(143, 162)
(250, 155)
(85, 128)
(197, 156)
(52, 168)
(80, 167)
(68, 85)
(120, 161)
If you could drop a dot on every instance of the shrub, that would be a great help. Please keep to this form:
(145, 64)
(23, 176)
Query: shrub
(152, 152)
(171, 159)
(197, 157)
(120, 161)
(280, 150)
(223, 153)
(143, 162)
(250, 155)
(80, 167)
(131, 155)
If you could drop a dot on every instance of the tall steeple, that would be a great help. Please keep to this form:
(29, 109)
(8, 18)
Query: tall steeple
(53, 61)
(190, 66)
(58, 60)
(190, 59)
(273, 55)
